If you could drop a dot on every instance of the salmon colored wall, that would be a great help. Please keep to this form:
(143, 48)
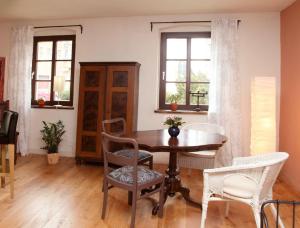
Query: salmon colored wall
(289, 136)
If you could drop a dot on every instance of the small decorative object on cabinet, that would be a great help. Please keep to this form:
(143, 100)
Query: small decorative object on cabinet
(52, 136)
(174, 99)
(174, 123)
(107, 90)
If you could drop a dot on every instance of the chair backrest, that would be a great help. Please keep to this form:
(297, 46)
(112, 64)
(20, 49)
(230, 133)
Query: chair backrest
(4, 105)
(273, 163)
(116, 126)
(113, 158)
(207, 127)
(9, 125)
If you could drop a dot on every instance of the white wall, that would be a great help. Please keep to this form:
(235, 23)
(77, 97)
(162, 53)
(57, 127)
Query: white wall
(130, 39)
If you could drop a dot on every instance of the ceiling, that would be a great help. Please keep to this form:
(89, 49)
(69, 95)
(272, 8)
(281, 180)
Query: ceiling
(67, 9)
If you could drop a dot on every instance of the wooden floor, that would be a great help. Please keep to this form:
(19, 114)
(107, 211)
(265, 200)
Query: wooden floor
(69, 195)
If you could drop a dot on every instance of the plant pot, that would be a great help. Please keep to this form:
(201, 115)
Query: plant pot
(174, 131)
(173, 106)
(53, 158)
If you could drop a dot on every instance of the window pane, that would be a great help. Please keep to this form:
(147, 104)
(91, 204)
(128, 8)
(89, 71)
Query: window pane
(200, 71)
(64, 50)
(201, 48)
(43, 70)
(63, 68)
(42, 90)
(202, 88)
(177, 89)
(64, 96)
(44, 50)
(176, 71)
(176, 48)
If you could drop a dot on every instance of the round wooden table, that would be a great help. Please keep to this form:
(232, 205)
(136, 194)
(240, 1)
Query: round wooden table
(186, 141)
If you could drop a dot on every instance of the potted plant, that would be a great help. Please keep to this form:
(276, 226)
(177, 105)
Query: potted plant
(41, 102)
(52, 136)
(174, 123)
(174, 99)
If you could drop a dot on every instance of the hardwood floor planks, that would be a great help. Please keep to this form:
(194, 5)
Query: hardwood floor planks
(69, 195)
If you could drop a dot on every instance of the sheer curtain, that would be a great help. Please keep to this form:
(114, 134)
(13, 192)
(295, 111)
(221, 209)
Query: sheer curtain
(19, 81)
(224, 92)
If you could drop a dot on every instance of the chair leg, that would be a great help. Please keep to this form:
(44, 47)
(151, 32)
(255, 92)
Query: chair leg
(227, 205)
(274, 212)
(105, 196)
(161, 200)
(133, 209)
(151, 163)
(3, 158)
(11, 150)
(204, 211)
(256, 213)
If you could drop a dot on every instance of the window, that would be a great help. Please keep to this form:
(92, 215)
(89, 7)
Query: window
(185, 69)
(53, 55)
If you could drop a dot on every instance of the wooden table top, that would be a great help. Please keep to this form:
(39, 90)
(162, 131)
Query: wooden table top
(187, 141)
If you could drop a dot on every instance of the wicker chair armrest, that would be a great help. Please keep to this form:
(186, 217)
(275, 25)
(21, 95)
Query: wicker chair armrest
(233, 169)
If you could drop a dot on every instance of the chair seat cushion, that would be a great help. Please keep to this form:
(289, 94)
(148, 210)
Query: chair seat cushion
(201, 154)
(128, 153)
(240, 186)
(124, 175)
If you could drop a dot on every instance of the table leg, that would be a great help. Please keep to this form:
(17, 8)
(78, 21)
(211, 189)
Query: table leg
(173, 182)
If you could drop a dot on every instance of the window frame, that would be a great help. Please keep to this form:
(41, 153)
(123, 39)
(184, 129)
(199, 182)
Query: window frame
(54, 39)
(163, 61)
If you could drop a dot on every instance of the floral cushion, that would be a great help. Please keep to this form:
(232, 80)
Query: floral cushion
(124, 175)
(129, 154)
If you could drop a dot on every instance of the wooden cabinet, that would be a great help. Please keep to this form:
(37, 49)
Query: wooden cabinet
(107, 90)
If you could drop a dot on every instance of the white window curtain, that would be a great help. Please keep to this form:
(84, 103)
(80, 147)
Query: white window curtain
(224, 92)
(19, 81)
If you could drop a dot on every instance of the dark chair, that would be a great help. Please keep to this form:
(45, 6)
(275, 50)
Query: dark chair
(117, 127)
(8, 136)
(130, 176)
(4, 106)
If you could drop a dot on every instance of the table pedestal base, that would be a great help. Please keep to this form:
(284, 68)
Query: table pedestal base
(173, 184)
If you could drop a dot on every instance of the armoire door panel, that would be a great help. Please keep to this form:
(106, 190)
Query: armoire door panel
(92, 78)
(107, 90)
(120, 79)
(90, 111)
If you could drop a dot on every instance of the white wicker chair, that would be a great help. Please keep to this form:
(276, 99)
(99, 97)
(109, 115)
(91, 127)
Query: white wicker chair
(248, 180)
(200, 159)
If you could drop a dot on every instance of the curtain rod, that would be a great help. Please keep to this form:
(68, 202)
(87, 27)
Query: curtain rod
(61, 26)
(178, 22)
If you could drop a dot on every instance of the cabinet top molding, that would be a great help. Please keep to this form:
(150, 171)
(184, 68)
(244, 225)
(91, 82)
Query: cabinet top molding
(109, 63)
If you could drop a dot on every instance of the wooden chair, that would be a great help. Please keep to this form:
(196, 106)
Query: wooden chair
(130, 176)
(249, 180)
(117, 127)
(8, 136)
(200, 159)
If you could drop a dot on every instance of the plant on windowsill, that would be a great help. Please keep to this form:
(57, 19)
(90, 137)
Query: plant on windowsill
(174, 99)
(41, 102)
(52, 136)
(174, 123)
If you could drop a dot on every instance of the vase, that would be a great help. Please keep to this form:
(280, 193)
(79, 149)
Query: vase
(174, 131)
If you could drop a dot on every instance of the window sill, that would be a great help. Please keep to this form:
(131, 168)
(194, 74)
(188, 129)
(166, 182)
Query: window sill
(181, 112)
(53, 107)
